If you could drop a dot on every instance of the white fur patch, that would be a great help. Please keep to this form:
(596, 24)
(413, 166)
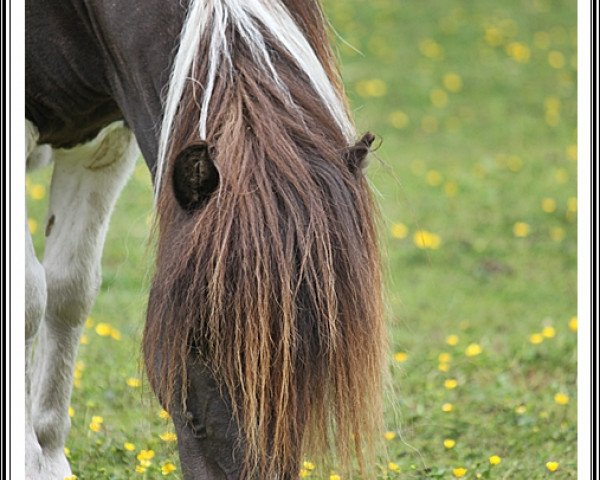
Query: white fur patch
(246, 16)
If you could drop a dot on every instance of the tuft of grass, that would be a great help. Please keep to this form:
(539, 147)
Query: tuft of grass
(475, 104)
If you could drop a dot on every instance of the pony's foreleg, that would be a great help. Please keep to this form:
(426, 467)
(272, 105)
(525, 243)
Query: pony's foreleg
(85, 185)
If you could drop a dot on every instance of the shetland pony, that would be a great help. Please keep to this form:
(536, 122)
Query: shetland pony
(264, 336)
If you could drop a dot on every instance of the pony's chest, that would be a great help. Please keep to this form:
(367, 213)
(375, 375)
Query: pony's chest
(66, 89)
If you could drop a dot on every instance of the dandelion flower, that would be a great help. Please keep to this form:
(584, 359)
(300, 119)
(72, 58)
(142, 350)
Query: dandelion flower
(561, 398)
(399, 231)
(473, 350)
(67, 452)
(393, 467)
(399, 119)
(401, 357)
(552, 466)
(33, 225)
(140, 469)
(557, 234)
(549, 332)
(459, 472)
(450, 383)
(449, 443)
(433, 178)
(536, 338)
(389, 435)
(145, 455)
(439, 98)
(521, 229)
(103, 329)
(308, 465)
(521, 409)
(37, 191)
(134, 382)
(71, 411)
(444, 357)
(163, 414)
(168, 437)
(548, 205)
(130, 447)
(334, 476)
(556, 59)
(495, 460)
(452, 82)
(452, 340)
(573, 324)
(443, 367)
(304, 473)
(168, 468)
(95, 426)
(447, 407)
(426, 240)
(71, 477)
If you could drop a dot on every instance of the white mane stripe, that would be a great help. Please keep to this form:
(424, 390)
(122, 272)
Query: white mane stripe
(245, 16)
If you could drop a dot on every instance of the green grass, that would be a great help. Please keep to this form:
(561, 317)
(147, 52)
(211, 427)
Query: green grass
(463, 159)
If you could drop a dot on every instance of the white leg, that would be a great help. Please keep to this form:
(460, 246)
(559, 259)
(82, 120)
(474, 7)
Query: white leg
(85, 185)
(35, 299)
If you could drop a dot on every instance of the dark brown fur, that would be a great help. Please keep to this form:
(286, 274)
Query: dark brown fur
(274, 282)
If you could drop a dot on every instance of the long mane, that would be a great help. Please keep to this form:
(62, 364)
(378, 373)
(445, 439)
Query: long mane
(275, 282)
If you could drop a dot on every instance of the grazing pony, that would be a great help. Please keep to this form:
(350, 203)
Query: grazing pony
(264, 336)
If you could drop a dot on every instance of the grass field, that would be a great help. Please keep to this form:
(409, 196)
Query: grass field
(475, 104)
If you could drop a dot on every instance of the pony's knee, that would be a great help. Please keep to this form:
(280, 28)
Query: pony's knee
(35, 292)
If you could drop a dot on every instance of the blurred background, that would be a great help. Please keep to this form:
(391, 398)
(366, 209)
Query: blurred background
(474, 104)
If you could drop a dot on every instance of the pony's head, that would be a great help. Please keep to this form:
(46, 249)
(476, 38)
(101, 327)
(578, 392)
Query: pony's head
(264, 337)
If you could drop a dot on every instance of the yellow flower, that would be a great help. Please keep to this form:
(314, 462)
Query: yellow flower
(548, 205)
(552, 466)
(426, 240)
(493, 36)
(89, 322)
(447, 407)
(163, 414)
(521, 409)
(33, 225)
(399, 230)
(449, 443)
(168, 468)
(549, 332)
(561, 398)
(557, 234)
(84, 340)
(473, 350)
(536, 338)
(401, 357)
(439, 98)
(399, 119)
(130, 447)
(431, 49)
(103, 329)
(145, 455)
(334, 476)
(572, 204)
(450, 188)
(444, 357)
(37, 191)
(459, 472)
(518, 52)
(452, 82)
(573, 324)
(450, 383)
(443, 367)
(556, 59)
(521, 229)
(308, 465)
(452, 340)
(67, 452)
(140, 469)
(389, 435)
(168, 437)
(134, 382)
(371, 88)
(495, 460)
(393, 467)
(71, 411)
(115, 334)
(433, 178)
(145, 463)
(95, 426)
(304, 473)
(572, 152)
(71, 477)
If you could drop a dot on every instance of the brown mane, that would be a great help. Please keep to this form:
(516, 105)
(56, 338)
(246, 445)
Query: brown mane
(275, 282)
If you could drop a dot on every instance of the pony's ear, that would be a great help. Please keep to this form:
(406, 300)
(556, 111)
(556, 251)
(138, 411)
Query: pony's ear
(356, 156)
(195, 176)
